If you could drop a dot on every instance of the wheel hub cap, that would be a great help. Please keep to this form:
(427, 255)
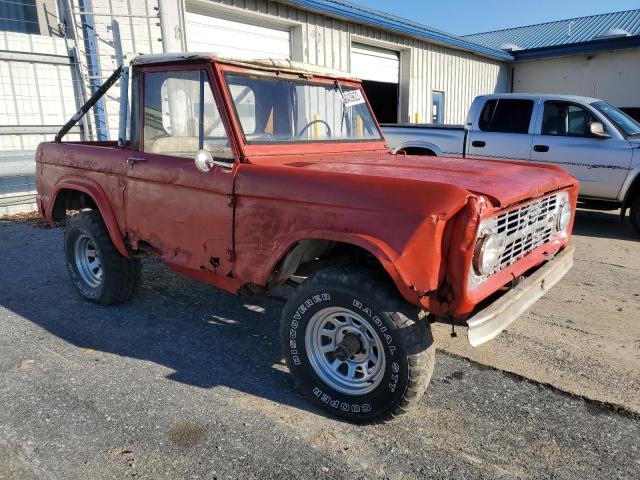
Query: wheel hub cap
(88, 261)
(345, 351)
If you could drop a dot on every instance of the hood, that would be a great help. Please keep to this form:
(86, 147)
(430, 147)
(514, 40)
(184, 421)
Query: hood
(502, 182)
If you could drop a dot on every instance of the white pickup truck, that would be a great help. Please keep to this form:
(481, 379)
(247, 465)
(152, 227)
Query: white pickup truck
(597, 143)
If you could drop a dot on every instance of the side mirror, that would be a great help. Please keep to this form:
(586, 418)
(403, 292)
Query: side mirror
(597, 130)
(204, 161)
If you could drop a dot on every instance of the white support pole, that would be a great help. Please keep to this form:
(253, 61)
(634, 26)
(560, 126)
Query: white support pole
(171, 25)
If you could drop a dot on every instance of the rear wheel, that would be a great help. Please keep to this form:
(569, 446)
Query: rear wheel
(355, 347)
(635, 214)
(98, 271)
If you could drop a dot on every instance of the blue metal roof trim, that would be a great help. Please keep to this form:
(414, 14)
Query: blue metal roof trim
(389, 22)
(583, 48)
(561, 32)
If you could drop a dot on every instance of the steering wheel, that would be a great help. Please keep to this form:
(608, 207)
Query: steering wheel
(313, 122)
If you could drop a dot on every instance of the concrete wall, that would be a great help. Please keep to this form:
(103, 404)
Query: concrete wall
(611, 76)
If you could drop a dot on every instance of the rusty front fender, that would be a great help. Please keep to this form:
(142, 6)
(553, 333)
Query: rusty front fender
(385, 255)
(97, 194)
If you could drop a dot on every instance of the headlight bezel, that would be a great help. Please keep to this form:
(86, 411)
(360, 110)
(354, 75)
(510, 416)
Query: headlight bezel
(488, 243)
(563, 219)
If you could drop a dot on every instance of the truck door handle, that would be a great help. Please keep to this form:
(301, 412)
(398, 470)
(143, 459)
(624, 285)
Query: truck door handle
(541, 148)
(478, 143)
(133, 160)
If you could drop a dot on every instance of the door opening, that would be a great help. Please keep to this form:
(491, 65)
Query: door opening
(384, 98)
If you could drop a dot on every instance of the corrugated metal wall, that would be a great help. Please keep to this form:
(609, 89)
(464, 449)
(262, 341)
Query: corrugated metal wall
(37, 91)
(326, 41)
(139, 26)
(316, 39)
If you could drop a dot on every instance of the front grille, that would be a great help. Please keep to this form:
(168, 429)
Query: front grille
(525, 229)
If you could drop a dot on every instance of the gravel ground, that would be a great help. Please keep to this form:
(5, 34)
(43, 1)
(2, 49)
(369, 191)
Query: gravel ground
(187, 382)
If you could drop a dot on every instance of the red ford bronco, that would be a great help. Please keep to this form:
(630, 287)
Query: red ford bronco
(251, 174)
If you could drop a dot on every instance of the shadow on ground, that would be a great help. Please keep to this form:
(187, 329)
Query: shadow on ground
(207, 337)
(603, 224)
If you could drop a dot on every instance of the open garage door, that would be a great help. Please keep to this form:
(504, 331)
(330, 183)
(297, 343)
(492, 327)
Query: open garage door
(379, 70)
(208, 33)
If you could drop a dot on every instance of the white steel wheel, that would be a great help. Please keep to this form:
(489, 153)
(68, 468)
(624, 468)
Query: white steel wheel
(88, 261)
(345, 351)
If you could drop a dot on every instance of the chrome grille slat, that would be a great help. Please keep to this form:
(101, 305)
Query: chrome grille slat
(524, 229)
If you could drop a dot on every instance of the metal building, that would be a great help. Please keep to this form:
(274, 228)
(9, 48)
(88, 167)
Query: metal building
(595, 56)
(412, 73)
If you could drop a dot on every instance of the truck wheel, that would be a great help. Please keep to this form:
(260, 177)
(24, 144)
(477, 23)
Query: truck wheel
(355, 347)
(634, 214)
(97, 269)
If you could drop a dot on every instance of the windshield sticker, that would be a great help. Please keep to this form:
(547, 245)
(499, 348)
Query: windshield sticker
(352, 97)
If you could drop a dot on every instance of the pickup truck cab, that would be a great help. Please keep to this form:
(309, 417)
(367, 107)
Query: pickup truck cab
(594, 141)
(251, 174)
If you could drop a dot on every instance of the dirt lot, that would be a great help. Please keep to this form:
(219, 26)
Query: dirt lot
(187, 382)
(584, 336)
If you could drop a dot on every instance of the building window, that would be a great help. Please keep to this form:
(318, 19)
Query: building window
(28, 16)
(437, 108)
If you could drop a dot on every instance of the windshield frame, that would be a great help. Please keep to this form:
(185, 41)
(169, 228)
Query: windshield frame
(310, 79)
(616, 125)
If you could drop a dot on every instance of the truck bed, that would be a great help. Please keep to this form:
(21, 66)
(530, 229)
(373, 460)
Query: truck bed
(426, 139)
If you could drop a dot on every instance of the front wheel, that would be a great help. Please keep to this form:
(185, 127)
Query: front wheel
(355, 347)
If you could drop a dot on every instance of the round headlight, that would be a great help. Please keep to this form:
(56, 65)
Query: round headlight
(564, 217)
(487, 254)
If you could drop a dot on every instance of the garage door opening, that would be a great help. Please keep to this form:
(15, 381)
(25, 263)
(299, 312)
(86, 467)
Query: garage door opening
(380, 71)
(383, 98)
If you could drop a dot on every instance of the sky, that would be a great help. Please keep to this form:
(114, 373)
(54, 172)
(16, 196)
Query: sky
(460, 17)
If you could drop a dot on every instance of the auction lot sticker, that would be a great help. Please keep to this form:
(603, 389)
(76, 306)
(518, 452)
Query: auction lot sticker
(352, 97)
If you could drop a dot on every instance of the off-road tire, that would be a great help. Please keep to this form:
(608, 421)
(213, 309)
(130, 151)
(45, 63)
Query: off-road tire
(404, 329)
(120, 275)
(634, 214)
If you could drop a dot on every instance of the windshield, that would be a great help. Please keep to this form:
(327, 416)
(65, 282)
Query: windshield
(274, 110)
(627, 125)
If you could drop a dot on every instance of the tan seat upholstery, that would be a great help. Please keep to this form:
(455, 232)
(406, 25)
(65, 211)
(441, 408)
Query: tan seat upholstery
(187, 146)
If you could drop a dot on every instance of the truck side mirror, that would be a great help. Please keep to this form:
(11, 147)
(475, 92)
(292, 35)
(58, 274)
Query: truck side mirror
(596, 129)
(204, 161)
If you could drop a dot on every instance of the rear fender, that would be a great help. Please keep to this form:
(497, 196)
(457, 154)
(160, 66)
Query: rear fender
(93, 190)
(423, 146)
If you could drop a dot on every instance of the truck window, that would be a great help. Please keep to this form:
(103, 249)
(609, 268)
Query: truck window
(278, 110)
(174, 105)
(566, 119)
(506, 115)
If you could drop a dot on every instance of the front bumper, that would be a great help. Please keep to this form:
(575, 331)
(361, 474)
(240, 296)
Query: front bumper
(489, 322)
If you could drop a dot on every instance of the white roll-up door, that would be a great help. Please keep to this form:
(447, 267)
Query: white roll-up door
(207, 33)
(375, 64)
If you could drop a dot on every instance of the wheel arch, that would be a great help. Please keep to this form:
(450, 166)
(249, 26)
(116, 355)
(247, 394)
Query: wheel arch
(632, 192)
(82, 193)
(428, 148)
(311, 252)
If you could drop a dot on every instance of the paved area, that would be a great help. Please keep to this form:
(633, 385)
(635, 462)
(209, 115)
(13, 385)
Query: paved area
(17, 182)
(584, 336)
(187, 382)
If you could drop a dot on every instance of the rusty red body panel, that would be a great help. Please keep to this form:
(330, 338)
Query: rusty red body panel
(231, 227)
